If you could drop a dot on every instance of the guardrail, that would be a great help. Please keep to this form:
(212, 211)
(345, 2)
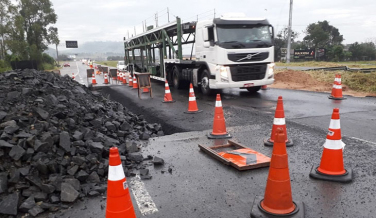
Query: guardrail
(344, 68)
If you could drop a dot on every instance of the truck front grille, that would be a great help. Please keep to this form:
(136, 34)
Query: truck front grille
(248, 57)
(248, 72)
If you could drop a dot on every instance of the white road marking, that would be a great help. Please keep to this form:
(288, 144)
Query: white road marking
(78, 73)
(145, 204)
(362, 140)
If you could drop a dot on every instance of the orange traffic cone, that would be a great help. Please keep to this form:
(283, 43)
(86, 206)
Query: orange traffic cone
(331, 167)
(105, 78)
(93, 81)
(124, 79)
(337, 89)
(130, 82)
(118, 75)
(167, 96)
(192, 104)
(119, 202)
(279, 121)
(277, 199)
(135, 85)
(219, 123)
(73, 77)
(121, 74)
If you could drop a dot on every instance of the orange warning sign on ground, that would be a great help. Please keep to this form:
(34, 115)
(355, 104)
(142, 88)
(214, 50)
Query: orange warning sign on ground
(244, 157)
(237, 155)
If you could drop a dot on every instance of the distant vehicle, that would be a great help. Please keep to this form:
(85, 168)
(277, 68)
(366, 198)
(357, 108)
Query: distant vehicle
(121, 66)
(66, 65)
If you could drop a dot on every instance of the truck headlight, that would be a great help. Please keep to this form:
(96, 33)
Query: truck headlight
(224, 72)
(271, 70)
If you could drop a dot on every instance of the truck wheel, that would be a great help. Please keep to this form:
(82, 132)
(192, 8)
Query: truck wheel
(177, 82)
(254, 89)
(205, 89)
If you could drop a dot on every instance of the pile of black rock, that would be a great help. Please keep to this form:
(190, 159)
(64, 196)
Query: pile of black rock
(55, 136)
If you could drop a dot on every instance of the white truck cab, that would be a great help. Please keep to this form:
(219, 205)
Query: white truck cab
(239, 52)
(121, 66)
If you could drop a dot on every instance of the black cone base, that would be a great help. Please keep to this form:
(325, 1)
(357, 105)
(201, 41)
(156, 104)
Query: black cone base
(346, 178)
(192, 112)
(169, 101)
(258, 212)
(225, 136)
(334, 98)
(268, 143)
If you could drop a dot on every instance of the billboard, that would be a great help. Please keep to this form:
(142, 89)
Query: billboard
(307, 54)
(71, 44)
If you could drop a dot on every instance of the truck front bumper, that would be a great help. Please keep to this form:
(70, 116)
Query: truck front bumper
(214, 84)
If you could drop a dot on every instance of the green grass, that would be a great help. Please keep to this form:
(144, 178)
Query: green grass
(351, 64)
(107, 63)
(357, 81)
(47, 66)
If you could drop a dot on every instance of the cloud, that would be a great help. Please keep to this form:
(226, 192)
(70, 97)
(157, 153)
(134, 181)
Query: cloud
(111, 20)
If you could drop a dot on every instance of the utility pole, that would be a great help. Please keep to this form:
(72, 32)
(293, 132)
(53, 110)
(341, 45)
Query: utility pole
(168, 15)
(289, 34)
(143, 26)
(156, 19)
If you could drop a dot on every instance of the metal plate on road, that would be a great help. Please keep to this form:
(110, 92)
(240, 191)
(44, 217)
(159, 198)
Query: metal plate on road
(89, 73)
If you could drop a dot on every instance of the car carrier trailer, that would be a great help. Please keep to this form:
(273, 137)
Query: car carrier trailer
(230, 52)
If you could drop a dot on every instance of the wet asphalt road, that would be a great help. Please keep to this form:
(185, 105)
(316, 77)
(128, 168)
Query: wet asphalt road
(200, 186)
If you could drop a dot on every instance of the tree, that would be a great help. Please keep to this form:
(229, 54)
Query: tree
(38, 14)
(281, 41)
(322, 35)
(54, 39)
(362, 51)
(5, 6)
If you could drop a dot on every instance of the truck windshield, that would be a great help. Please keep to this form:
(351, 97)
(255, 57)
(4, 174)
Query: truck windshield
(121, 62)
(244, 36)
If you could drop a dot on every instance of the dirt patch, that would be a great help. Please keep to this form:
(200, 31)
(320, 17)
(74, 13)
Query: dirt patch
(300, 80)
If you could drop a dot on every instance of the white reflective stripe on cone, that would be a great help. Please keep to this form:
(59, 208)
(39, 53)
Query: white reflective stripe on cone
(191, 90)
(218, 104)
(335, 124)
(279, 121)
(166, 85)
(116, 173)
(334, 144)
(192, 98)
(167, 91)
(337, 86)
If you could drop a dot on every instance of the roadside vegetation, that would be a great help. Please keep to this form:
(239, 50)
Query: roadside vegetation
(26, 31)
(321, 36)
(107, 63)
(356, 81)
(351, 64)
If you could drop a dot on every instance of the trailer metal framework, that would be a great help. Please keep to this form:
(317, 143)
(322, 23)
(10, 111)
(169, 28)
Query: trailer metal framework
(168, 39)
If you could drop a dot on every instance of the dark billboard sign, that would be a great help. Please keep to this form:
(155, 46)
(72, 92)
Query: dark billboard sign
(308, 54)
(71, 44)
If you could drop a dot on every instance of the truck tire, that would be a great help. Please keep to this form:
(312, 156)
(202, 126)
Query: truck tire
(178, 83)
(254, 89)
(205, 88)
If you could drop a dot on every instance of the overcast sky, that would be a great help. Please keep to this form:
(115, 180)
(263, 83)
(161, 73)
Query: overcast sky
(110, 20)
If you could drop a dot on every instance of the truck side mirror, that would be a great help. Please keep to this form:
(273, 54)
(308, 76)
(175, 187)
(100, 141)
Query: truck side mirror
(205, 34)
(206, 44)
